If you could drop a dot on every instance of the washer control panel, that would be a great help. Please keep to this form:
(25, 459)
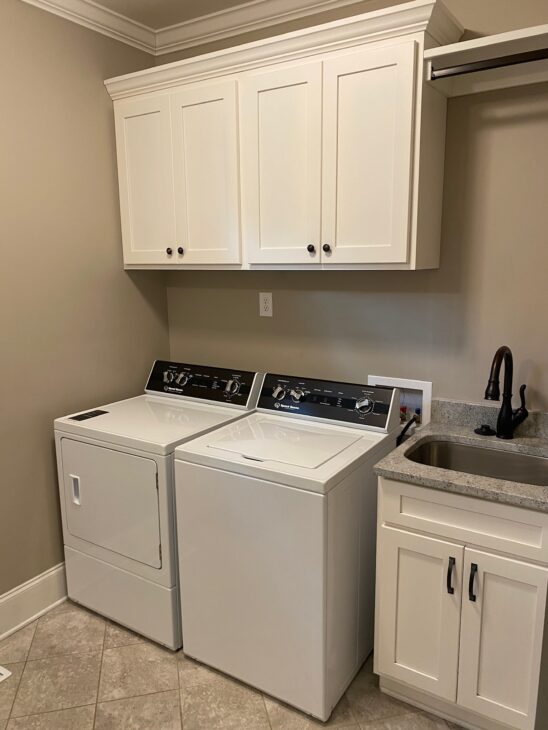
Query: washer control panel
(201, 382)
(364, 405)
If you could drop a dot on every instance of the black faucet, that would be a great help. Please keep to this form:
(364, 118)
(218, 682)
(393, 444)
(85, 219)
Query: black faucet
(508, 419)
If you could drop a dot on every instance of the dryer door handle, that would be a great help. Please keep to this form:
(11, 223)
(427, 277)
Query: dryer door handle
(75, 481)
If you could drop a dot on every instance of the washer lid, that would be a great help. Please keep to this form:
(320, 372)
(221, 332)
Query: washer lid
(283, 442)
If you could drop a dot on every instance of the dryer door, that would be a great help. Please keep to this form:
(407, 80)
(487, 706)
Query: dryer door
(111, 500)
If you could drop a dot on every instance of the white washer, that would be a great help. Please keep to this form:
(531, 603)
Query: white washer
(115, 467)
(276, 531)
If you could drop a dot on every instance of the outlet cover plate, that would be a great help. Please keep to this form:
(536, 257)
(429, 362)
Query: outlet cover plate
(265, 304)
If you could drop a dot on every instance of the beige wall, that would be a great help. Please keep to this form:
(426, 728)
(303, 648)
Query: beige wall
(76, 330)
(441, 325)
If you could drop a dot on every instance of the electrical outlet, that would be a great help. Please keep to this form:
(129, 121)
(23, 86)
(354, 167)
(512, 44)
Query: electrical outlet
(265, 304)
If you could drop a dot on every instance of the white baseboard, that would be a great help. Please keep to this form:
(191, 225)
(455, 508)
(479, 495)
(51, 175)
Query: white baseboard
(27, 602)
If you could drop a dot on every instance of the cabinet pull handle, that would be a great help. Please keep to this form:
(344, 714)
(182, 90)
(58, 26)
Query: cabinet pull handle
(327, 248)
(473, 570)
(180, 250)
(311, 248)
(169, 251)
(450, 568)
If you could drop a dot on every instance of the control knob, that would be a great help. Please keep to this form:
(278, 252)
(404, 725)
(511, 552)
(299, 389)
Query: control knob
(182, 379)
(297, 395)
(232, 387)
(168, 376)
(278, 393)
(364, 405)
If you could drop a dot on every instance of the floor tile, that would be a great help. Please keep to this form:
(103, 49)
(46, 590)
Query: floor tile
(77, 718)
(8, 688)
(192, 672)
(74, 631)
(3, 724)
(57, 683)
(161, 710)
(368, 703)
(215, 702)
(137, 669)
(16, 647)
(119, 636)
(415, 721)
(283, 717)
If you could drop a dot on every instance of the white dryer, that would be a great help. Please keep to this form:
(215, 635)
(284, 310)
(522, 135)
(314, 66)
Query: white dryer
(276, 532)
(115, 467)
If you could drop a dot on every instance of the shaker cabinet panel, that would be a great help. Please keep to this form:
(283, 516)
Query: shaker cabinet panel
(419, 586)
(145, 175)
(503, 613)
(367, 155)
(281, 164)
(206, 174)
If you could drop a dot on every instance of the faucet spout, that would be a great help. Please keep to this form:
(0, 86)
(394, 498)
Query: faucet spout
(508, 419)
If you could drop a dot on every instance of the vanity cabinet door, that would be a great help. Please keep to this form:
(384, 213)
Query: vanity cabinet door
(419, 587)
(501, 638)
(281, 164)
(145, 177)
(368, 119)
(204, 120)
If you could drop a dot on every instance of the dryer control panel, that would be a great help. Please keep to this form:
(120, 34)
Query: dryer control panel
(371, 406)
(237, 387)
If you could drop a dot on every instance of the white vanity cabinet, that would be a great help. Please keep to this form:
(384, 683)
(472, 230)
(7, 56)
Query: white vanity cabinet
(321, 148)
(461, 606)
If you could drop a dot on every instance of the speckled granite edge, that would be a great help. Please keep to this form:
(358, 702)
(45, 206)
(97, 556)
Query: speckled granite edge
(459, 413)
(396, 466)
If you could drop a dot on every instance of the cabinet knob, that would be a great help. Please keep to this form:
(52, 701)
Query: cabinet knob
(311, 248)
(169, 251)
(327, 248)
(180, 250)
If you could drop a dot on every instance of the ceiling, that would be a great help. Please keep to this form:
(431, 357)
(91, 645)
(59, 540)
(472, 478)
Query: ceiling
(161, 13)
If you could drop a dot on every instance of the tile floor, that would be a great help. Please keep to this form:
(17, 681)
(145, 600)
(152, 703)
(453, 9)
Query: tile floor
(72, 670)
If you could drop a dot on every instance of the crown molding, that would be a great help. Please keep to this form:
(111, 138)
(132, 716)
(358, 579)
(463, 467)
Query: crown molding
(240, 19)
(235, 21)
(104, 21)
(400, 20)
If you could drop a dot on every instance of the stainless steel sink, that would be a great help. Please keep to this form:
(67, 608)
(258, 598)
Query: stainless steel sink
(483, 461)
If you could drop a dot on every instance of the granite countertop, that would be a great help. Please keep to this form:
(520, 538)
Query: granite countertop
(397, 466)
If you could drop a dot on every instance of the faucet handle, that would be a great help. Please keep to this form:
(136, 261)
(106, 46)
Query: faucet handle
(522, 396)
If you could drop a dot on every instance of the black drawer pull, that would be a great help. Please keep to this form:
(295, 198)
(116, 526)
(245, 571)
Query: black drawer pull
(473, 570)
(450, 569)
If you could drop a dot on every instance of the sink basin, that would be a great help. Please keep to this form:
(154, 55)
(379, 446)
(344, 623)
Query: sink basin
(483, 461)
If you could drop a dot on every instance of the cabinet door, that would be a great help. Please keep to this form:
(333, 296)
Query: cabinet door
(281, 165)
(419, 617)
(367, 155)
(501, 638)
(205, 158)
(145, 175)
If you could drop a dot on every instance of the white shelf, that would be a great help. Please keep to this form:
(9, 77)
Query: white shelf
(490, 47)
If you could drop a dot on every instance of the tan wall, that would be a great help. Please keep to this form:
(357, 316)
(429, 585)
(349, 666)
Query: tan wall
(441, 325)
(76, 330)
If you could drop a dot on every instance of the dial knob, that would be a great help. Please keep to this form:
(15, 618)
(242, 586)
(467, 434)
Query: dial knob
(278, 393)
(232, 387)
(182, 379)
(364, 405)
(168, 376)
(297, 395)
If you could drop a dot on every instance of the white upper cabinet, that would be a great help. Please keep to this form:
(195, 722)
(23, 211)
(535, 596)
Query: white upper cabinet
(281, 164)
(321, 148)
(367, 155)
(145, 177)
(204, 121)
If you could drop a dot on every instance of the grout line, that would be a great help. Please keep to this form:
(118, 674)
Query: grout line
(49, 712)
(266, 712)
(100, 674)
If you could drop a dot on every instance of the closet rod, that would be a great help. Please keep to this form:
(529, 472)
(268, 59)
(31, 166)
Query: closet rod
(540, 54)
